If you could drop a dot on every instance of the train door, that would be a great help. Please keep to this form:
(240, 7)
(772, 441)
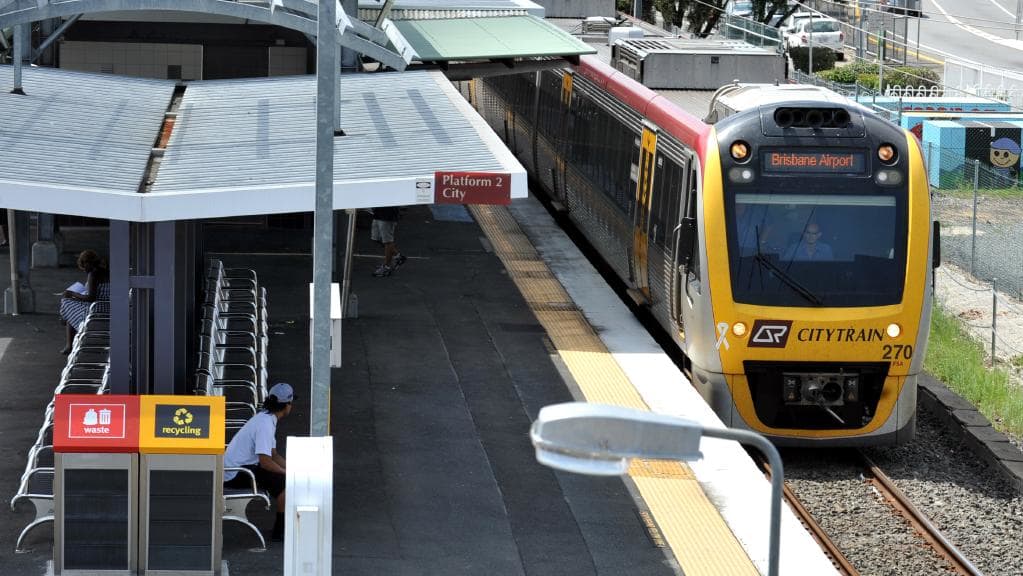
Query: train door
(644, 158)
(686, 277)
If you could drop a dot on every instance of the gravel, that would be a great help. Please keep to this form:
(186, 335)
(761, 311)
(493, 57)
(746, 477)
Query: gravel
(974, 509)
(863, 526)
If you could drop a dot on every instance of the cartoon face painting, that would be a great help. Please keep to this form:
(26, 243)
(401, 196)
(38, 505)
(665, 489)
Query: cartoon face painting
(1005, 158)
(1004, 153)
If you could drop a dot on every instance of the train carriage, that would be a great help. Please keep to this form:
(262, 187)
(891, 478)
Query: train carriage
(786, 248)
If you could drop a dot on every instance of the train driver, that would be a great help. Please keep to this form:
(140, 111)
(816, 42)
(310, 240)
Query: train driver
(809, 246)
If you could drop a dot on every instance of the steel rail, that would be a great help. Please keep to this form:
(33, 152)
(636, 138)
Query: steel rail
(839, 560)
(920, 523)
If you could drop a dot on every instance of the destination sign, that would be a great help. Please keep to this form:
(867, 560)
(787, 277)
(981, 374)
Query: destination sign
(472, 188)
(814, 162)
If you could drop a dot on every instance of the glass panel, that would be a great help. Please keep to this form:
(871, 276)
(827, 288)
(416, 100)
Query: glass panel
(96, 507)
(817, 249)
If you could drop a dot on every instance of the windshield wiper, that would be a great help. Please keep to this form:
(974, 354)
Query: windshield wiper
(788, 280)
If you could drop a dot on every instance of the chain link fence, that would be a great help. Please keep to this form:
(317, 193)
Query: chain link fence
(980, 207)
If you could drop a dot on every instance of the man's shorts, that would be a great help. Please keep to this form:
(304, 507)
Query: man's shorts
(270, 481)
(383, 231)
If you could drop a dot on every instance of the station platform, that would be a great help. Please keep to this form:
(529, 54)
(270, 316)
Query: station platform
(446, 366)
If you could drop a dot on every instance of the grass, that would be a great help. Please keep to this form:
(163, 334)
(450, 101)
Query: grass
(959, 361)
(964, 189)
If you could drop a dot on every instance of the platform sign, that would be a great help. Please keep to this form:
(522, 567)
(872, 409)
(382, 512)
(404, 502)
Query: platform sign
(181, 424)
(93, 423)
(472, 188)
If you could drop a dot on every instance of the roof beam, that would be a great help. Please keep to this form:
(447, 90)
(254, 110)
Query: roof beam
(299, 15)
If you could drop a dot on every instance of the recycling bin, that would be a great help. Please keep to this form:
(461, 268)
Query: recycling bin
(181, 486)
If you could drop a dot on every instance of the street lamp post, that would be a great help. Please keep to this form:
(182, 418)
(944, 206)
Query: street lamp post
(600, 440)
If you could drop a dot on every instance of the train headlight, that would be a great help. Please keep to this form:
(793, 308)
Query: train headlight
(887, 154)
(742, 175)
(889, 177)
(739, 151)
(739, 329)
(893, 330)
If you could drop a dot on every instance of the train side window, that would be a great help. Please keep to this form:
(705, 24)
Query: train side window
(662, 216)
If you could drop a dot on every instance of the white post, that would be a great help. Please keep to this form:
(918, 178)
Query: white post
(809, 33)
(308, 516)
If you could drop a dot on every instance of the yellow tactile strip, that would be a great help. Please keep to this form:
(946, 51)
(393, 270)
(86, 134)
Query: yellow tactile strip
(687, 521)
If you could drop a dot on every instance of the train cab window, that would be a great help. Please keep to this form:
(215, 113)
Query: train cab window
(811, 249)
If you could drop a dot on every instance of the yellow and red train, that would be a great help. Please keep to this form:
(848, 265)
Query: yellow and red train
(786, 247)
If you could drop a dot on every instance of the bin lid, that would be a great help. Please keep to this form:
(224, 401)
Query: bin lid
(94, 423)
(181, 424)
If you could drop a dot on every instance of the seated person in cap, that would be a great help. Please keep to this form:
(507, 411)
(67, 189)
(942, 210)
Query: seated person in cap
(255, 447)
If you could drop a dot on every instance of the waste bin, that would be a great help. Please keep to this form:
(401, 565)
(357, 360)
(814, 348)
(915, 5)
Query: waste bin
(95, 491)
(181, 486)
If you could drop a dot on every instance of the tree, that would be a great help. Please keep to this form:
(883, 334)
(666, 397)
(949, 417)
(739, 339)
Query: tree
(701, 16)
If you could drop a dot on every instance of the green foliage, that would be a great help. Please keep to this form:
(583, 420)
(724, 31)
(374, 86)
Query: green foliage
(957, 360)
(823, 58)
(623, 6)
(911, 76)
(867, 80)
(849, 73)
(865, 74)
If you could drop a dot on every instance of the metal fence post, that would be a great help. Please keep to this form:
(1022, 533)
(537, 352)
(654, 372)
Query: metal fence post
(973, 236)
(994, 317)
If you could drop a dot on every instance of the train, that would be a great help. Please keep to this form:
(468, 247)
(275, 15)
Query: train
(783, 241)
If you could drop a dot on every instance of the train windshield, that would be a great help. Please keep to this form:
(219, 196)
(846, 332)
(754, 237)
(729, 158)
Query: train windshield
(808, 249)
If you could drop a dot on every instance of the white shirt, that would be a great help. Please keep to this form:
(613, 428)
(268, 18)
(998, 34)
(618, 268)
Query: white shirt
(257, 436)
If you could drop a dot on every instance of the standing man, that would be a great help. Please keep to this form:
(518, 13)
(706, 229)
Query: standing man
(255, 447)
(385, 222)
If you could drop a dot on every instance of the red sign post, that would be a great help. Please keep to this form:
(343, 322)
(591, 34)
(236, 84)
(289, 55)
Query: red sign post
(471, 188)
(95, 423)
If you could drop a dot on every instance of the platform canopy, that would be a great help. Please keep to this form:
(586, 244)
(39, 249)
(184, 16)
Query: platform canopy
(82, 144)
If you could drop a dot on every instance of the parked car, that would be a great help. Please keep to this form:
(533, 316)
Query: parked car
(739, 8)
(827, 33)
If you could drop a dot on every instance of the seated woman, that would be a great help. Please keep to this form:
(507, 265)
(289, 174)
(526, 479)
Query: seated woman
(74, 306)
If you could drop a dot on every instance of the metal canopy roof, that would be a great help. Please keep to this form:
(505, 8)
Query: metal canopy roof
(238, 147)
(426, 9)
(445, 40)
(76, 131)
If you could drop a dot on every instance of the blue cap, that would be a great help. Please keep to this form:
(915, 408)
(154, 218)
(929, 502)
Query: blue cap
(283, 392)
(1006, 144)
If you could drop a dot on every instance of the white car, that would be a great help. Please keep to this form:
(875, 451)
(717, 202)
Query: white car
(827, 33)
(741, 8)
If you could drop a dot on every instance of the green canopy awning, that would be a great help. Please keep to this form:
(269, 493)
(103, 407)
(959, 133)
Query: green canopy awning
(494, 38)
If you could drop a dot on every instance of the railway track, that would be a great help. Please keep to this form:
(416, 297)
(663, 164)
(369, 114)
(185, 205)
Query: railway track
(900, 505)
(921, 525)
